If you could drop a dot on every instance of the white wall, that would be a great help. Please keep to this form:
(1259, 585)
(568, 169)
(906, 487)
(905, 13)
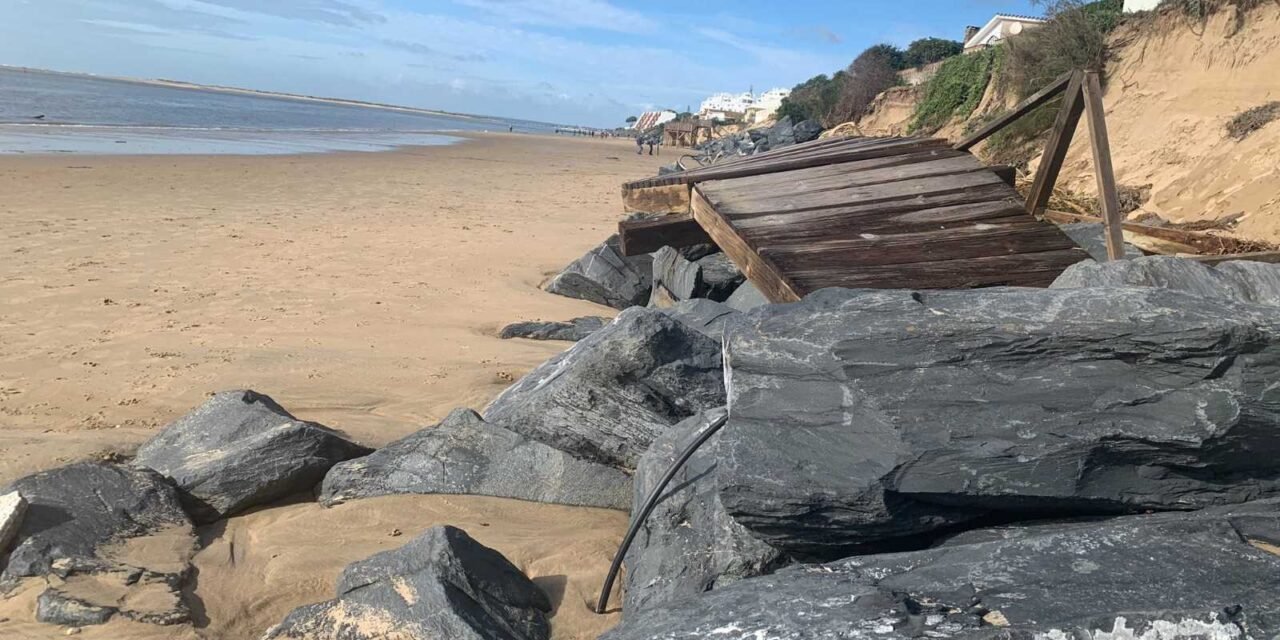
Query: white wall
(1140, 5)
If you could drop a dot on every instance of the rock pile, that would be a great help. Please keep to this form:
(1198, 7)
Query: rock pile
(782, 134)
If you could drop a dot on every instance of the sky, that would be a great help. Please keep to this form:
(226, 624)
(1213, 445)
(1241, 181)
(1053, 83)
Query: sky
(589, 62)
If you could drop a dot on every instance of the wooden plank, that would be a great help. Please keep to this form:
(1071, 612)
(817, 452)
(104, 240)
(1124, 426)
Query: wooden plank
(759, 270)
(1108, 199)
(668, 199)
(1255, 256)
(1194, 239)
(728, 202)
(899, 172)
(1033, 102)
(981, 195)
(1007, 173)
(1064, 129)
(1023, 269)
(1022, 234)
(905, 222)
(826, 174)
(646, 236)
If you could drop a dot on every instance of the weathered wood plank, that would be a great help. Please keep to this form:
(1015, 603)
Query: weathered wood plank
(905, 222)
(1022, 234)
(1198, 240)
(1064, 128)
(728, 201)
(769, 182)
(759, 270)
(667, 199)
(981, 195)
(899, 172)
(1108, 199)
(646, 236)
(1255, 256)
(1023, 269)
(1033, 102)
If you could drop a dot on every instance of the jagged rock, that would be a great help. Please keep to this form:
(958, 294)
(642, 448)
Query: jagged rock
(720, 277)
(807, 131)
(465, 455)
(1244, 281)
(78, 528)
(241, 449)
(607, 397)
(55, 607)
(782, 134)
(696, 252)
(863, 416)
(1208, 574)
(675, 278)
(688, 545)
(604, 276)
(13, 507)
(746, 297)
(571, 331)
(1091, 236)
(443, 584)
(705, 316)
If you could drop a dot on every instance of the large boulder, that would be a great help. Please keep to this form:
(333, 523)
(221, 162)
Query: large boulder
(720, 277)
(1239, 280)
(746, 297)
(807, 130)
(607, 397)
(1207, 575)
(571, 331)
(443, 584)
(1091, 236)
(81, 521)
(688, 545)
(675, 278)
(604, 276)
(13, 508)
(782, 134)
(465, 455)
(864, 416)
(705, 316)
(241, 449)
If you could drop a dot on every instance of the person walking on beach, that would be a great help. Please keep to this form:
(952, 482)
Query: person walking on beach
(650, 146)
(639, 145)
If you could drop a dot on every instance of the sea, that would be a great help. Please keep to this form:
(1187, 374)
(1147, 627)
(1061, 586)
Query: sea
(51, 113)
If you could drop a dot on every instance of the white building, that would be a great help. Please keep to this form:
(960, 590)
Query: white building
(1000, 27)
(650, 119)
(1130, 6)
(746, 106)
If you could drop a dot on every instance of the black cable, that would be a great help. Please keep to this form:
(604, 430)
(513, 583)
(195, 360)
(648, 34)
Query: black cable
(649, 504)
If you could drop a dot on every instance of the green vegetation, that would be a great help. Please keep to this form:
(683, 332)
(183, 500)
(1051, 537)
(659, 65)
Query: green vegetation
(632, 119)
(1201, 9)
(813, 99)
(930, 50)
(955, 90)
(1253, 119)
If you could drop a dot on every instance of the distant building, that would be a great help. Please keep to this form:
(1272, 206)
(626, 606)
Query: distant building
(746, 107)
(1000, 27)
(1131, 6)
(651, 119)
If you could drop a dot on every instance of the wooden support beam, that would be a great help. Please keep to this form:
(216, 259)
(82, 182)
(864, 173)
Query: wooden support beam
(646, 236)
(1201, 241)
(1037, 99)
(1108, 199)
(1254, 256)
(761, 271)
(668, 199)
(1055, 152)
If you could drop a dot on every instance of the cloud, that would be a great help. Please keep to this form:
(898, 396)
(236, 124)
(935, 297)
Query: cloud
(336, 12)
(593, 14)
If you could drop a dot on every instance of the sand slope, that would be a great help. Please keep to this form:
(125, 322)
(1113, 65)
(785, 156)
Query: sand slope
(362, 291)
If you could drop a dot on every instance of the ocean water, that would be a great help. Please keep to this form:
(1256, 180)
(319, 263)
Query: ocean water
(43, 113)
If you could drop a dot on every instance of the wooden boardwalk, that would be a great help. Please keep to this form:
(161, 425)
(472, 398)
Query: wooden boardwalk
(863, 213)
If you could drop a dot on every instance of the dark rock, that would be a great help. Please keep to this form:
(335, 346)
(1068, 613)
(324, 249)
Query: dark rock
(55, 607)
(720, 277)
(746, 297)
(1158, 577)
(668, 169)
(465, 455)
(608, 396)
(604, 276)
(705, 316)
(241, 449)
(571, 331)
(1091, 236)
(782, 134)
(1238, 280)
(863, 416)
(697, 252)
(688, 545)
(78, 525)
(674, 279)
(441, 585)
(807, 131)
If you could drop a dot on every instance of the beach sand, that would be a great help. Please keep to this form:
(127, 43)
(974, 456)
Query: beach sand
(362, 291)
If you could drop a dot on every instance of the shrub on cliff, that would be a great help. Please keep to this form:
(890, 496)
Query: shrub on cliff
(955, 90)
(930, 50)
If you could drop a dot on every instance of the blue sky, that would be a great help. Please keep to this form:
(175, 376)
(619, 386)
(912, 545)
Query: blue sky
(572, 61)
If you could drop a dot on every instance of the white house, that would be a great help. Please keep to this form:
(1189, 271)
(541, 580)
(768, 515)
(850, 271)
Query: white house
(766, 105)
(1131, 6)
(650, 119)
(723, 106)
(1000, 27)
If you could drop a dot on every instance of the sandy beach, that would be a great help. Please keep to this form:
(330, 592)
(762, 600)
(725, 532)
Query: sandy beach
(361, 291)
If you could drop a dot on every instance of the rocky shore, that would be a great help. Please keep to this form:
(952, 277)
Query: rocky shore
(1095, 460)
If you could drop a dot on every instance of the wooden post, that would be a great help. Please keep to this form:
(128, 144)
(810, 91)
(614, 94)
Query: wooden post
(1102, 169)
(1055, 150)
